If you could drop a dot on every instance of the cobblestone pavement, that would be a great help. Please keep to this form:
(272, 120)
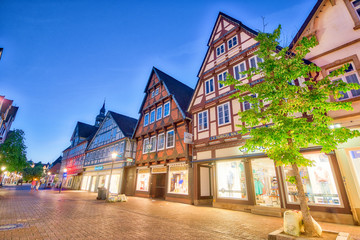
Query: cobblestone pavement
(77, 215)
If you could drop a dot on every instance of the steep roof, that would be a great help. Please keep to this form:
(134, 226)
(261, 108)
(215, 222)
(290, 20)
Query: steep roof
(181, 93)
(313, 12)
(6, 103)
(58, 160)
(125, 123)
(86, 130)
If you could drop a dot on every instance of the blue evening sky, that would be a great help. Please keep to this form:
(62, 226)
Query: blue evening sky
(63, 57)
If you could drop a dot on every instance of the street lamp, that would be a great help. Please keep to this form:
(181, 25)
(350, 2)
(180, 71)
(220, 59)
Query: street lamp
(114, 155)
(2, 169)
(65, 171)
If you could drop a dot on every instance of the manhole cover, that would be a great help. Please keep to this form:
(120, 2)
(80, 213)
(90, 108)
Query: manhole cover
(10, 226)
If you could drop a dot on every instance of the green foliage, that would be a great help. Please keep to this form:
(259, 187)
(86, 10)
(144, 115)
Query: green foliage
(13, 151)
(295, 116)
(30, 173)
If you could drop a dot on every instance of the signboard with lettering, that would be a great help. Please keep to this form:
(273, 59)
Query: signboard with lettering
(159, 170)
(97, 168)
(146, 170)
(225, 135)
(188, 138)
(64, 174)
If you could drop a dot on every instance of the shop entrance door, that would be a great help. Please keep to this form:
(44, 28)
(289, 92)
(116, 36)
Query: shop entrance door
(129, 175)
(205, 182)
(158, 186)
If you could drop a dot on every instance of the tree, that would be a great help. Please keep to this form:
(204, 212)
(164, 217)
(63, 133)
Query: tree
(30, 172)
(13, 151)
(295, 115)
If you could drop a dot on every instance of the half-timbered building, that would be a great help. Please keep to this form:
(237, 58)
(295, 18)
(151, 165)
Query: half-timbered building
(110, 152)
(162, 157)
(228, 177)
(336, 26)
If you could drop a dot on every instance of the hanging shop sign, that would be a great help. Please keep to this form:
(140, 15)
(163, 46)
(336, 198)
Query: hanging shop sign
(188, 138)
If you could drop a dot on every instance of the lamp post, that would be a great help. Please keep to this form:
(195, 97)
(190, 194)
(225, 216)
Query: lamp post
(64, 176)
(113, 156)
(2, 178)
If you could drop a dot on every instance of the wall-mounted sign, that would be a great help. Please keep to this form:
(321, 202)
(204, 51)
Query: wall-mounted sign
(64, 174)
(188, 138)
(98, 168)
(225, 135)
(145, 170)
(159, 170)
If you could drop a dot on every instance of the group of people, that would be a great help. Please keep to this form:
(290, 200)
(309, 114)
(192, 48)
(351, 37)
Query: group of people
(35, 184)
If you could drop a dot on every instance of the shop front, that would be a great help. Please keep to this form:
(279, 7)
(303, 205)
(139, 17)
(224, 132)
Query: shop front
(99, 176)
(170, 182)
(253, 183)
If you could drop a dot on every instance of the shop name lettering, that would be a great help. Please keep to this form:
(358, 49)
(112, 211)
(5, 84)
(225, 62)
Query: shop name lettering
(258, 149)
(225, 135)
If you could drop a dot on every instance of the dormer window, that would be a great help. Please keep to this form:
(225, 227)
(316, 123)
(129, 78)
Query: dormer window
(209, 86)
(220, 49)
(232, 42)
(356, 5)
(221, 77)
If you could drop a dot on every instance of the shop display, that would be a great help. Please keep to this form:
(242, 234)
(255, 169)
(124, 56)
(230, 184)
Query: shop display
(265, 183)
(114, 184)
(93, 183)
(319, 183)
(231, 181)
(178, 180)
(143, 181)
(84, 182)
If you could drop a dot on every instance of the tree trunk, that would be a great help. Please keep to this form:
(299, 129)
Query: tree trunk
(309, 225)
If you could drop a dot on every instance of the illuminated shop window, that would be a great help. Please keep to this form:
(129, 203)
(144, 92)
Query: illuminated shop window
(178, 180)
(319, 183)
(231, 182)
(355, 158)
(114, 183)
(265, 183)
(143, 180)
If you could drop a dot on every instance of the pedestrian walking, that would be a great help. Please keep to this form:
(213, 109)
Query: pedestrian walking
(38, 185)
(33, 184)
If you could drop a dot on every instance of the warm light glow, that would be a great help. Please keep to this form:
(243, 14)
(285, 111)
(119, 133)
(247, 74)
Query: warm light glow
(3, 168)
(65, 170)
(114, 155)
(49, 173)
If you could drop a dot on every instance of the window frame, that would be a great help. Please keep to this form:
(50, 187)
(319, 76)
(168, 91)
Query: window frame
(146, 117)
(145, 145)
(223, 110)
(167, 137)
(251, 105)
(157, 110)
(152, 93)
(157, 91)
(219, 47)
(232, 42)
(155, 146)
(223, 74)
(207, 120)
(235, 72)
(213, 86)
(343, 78)
(167, 103)
(256, 61)
(158, 141)
(151, 113)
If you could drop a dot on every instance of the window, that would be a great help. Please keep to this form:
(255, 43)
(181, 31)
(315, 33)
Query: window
(152, 94)
(159, 113)
(161, 141)
(350, 76)
(156, 91)
(220, 50)
(247, 105)
(166, 109)
(146, 145)
(223, 114)
(146, 119)
(238, 69)
(152, 116)
(203, 120)
(152, 146)
(254, 62)
(122, 145)
(221, 77)
(232, 42)
(356, 5)
(178, 180)
(209, 86)
(143, 178)
(170, 139)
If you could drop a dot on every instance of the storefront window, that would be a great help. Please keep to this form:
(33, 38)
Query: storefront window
(231, 181)
(88, 183)
(101, 182)
(143, 180)
(84, 182)
(265, 183)
(319, 183)
(178, 180)
(355, 157)
(114, 184)
(93, 183)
